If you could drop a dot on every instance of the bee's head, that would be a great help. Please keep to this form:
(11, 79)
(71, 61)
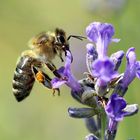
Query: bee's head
(61, 42)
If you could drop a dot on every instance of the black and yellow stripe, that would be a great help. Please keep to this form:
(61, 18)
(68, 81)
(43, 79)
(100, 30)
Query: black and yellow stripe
(23, 78)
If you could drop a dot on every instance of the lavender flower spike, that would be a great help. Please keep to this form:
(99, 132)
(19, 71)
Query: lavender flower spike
(132, 68)
(101, 34)
(65, 72)
(115, 113)
(103, 67)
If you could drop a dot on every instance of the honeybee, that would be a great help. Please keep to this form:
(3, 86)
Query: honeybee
(43, 49)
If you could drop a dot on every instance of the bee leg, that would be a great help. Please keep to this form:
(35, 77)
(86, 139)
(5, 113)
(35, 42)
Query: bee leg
(42, 78)
(56, 89)
(45, 80)
(52, 67)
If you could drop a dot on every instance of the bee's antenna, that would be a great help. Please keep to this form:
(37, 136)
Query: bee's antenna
(77, 37)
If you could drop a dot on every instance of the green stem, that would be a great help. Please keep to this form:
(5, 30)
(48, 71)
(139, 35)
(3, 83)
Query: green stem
(103, 125)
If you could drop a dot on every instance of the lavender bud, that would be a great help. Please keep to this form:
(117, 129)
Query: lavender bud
(119, 89)
(101, 90)
(92, 126)
(117, 59)
(91, 137)
(132, 68)
(82, 112)
(85, 86)
(89, 98)
(77, 96)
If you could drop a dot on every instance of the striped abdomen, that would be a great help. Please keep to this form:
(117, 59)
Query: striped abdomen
(23, 78)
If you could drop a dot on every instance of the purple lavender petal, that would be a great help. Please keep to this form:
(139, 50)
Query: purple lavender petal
(90, 56)
(101, 83)
(138, 69)
(132, 68)
(110, 106)
(117, 55)
(92, 31)
(104, 69)
(68, 60)
(97, 29)
(61, 70)
(131, 56)
(90, 49)
(56, 82)
(117, 59)
(112, 125)
(65, 72)
(115, 106)
(73, 83)
(101, 34)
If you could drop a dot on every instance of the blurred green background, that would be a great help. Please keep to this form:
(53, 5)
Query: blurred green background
(42, 116)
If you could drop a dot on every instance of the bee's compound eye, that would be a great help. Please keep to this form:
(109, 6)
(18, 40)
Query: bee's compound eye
(61, 39)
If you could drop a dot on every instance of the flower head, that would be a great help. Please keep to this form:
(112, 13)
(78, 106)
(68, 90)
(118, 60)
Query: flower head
(103, 67)
(65, 72)
(101, 34)
(115, 106)
(132, 68)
